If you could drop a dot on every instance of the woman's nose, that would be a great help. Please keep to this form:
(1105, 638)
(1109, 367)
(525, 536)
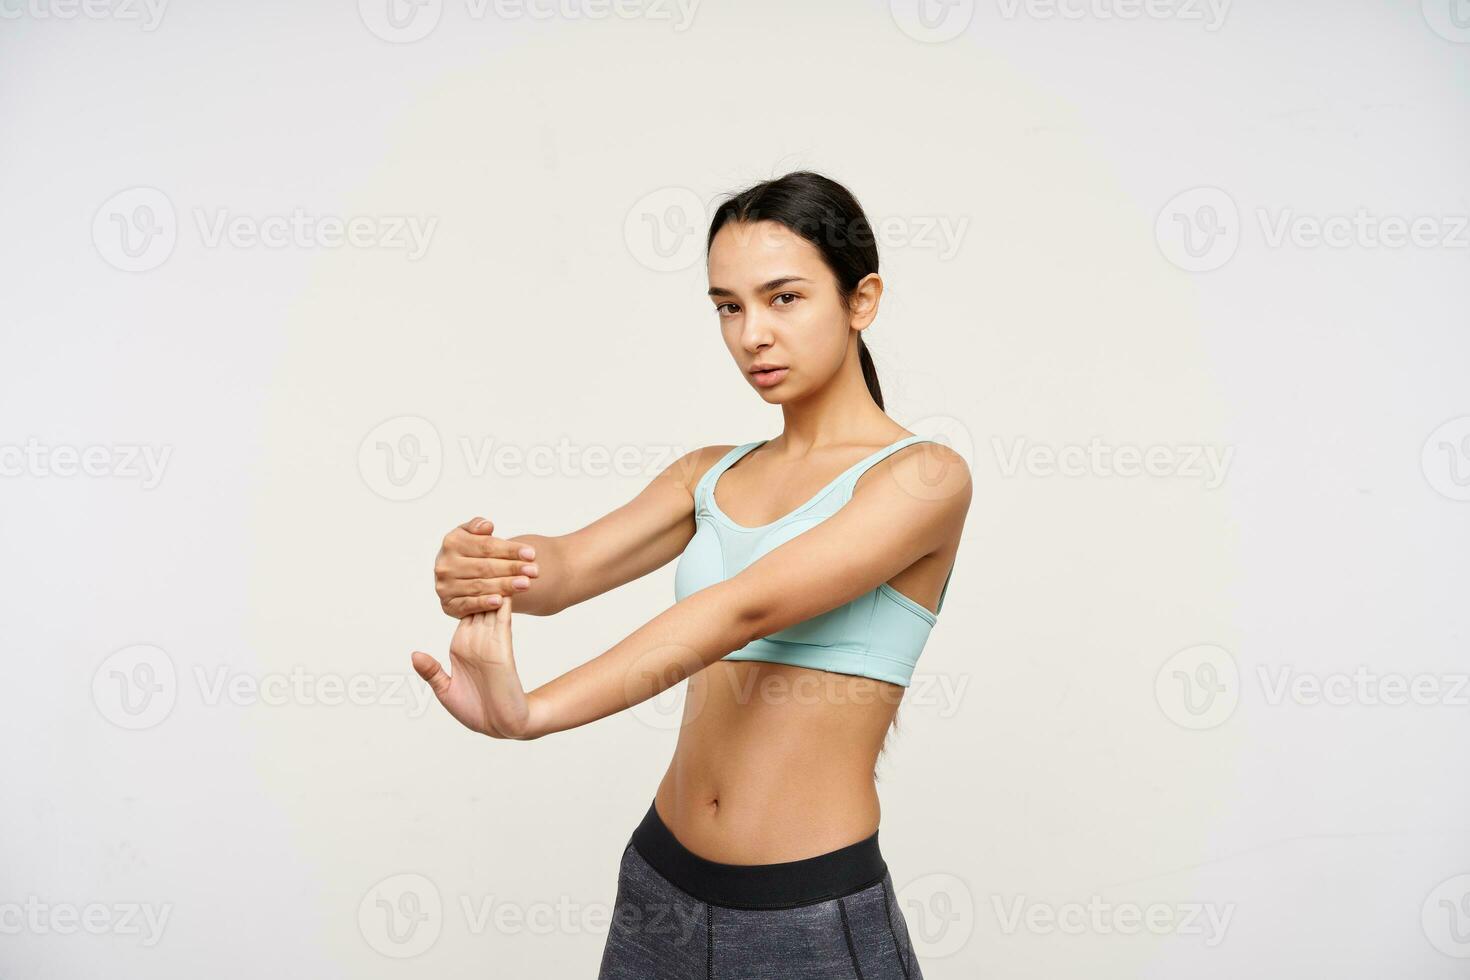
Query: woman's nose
(756, 333)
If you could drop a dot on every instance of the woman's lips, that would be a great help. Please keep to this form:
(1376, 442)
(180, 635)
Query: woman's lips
(764, 379)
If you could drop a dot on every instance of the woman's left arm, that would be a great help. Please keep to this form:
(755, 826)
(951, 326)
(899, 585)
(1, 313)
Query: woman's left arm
(899, 512)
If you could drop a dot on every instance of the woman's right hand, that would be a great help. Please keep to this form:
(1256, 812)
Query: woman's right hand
(474, 569)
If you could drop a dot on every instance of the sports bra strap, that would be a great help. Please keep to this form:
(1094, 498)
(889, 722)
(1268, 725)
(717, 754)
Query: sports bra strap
(850, 478)
(701, 490)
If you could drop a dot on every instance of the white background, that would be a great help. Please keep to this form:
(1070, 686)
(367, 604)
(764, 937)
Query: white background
(565, 165)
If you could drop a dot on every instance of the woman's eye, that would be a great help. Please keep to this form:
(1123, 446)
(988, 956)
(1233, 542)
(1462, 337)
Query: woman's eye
(792, 295)
(722, 306)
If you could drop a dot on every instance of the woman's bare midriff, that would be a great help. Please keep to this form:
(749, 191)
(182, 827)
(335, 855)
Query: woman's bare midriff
(775, 763)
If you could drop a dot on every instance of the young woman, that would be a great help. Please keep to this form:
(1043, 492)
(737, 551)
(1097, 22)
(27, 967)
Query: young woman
(811, 569)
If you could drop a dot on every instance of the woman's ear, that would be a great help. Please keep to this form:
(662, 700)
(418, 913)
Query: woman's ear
(864, 305)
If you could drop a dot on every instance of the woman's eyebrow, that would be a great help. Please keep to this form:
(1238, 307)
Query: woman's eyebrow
(764, 287)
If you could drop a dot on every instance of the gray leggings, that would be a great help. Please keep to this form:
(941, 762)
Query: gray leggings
(660, 931)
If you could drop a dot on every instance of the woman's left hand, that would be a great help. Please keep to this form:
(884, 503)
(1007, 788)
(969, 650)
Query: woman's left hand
(484, 691)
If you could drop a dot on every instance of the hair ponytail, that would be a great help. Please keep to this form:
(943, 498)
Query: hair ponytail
(870, 373)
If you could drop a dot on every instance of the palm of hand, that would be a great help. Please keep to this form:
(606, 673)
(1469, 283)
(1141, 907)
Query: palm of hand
(480, 644)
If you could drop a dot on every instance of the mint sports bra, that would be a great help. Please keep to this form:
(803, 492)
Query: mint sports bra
(879, 634)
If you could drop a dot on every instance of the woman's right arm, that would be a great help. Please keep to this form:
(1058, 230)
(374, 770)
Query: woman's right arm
(474, 567)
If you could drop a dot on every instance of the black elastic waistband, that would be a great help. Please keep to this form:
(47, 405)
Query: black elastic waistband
(759, 886)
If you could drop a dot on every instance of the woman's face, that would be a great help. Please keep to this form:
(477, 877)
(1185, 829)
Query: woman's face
(778, 305)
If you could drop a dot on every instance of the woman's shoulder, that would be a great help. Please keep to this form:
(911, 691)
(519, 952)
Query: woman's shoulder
(694, 464)
(928, 468)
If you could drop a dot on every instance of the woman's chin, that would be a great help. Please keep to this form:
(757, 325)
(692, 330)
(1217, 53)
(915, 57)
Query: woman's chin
(778, 395)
